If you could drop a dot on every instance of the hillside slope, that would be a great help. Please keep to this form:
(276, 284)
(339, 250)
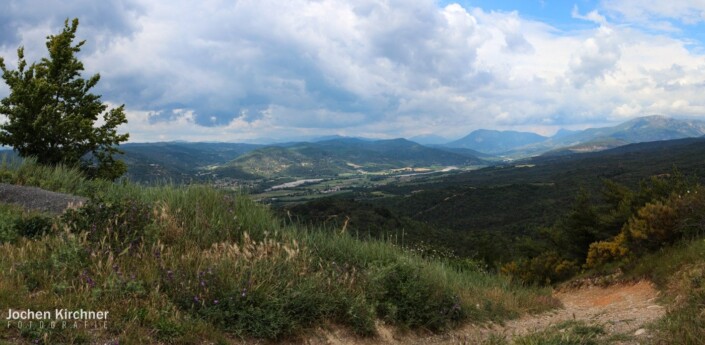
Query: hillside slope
(194, 264)
(339, 156)
(642, 129)
(178, 161)
(494, 142)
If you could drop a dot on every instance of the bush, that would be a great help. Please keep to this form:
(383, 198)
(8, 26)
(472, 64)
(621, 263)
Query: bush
(15, 223)
(546, 268)
(123, 223)
(266, 289)
(409, 298)
(654, 226)
(34, 226)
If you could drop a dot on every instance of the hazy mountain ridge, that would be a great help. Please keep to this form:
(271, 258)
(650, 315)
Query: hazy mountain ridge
(332, 155)
(523, 144)
(649, 128)
(493, 141)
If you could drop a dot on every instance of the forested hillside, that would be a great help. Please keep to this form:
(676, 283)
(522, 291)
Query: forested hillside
(486, 213)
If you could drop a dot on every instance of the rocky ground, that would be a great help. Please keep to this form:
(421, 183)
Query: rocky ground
(37, 199)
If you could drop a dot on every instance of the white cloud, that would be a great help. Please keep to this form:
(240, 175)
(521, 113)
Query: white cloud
(593, 16)
(645, 11)
(597, 56)
(224, 70)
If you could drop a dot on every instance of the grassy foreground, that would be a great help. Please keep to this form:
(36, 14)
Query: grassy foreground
(194, 264)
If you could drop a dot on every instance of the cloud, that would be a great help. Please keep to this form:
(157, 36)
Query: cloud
(239, 70)
(593, 16)
(597, 56)
(645, 11)
(365, 57)
(103, 20)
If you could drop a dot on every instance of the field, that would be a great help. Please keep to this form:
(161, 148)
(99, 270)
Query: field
(276, 192)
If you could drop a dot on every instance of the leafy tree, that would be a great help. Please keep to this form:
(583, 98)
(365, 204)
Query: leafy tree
(52, 115)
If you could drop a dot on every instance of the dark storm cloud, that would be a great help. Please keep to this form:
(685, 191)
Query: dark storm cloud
(104, 19)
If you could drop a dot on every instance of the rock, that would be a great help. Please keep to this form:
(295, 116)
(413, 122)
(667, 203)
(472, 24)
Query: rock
(37, 199)
(640, 331)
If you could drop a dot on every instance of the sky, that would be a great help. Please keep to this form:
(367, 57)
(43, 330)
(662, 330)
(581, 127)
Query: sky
(266, 70)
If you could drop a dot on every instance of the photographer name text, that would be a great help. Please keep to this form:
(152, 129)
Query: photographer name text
(56, 314)
(56, 319)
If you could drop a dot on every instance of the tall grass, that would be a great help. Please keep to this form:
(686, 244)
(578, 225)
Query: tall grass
(59, 178)
(679, 272)
(187, 264)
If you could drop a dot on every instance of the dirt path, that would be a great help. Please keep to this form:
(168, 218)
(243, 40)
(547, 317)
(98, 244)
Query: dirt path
(619, 309)
(622, 309)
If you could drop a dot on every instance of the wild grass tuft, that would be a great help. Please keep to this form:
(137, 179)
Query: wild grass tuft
(565, 333)
(679, 272)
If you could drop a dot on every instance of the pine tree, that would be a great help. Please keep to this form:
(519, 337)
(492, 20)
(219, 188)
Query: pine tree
(51, 113)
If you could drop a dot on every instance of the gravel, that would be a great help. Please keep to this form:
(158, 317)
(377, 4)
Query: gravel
(37, 199)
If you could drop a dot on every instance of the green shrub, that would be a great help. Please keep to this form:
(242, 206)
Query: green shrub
(544, 269)
(655, 225)
(8, 229)
(15, 223)
(124, 224)
(34, 226)
(406, 296)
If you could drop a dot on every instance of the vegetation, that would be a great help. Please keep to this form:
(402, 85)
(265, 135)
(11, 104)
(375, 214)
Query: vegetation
(646, 221)
(566, 333)
(181, 162)
(339, 156)
(504, 213)
(181, 264)
(679, 272)
(52, 115)
(192, 263)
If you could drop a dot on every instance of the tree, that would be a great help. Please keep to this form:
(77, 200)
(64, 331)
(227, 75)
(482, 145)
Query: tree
(52, 115)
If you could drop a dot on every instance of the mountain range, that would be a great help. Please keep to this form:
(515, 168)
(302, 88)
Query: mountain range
(332, 155)
(524, 144)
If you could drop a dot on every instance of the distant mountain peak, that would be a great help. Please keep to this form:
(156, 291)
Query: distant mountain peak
(494, 141)
(562, 133)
